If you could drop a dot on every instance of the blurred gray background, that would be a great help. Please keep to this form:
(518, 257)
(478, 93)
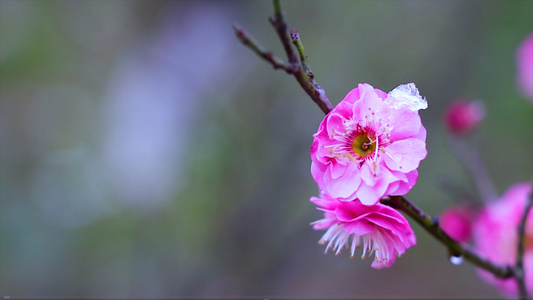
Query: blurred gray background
(145, 152)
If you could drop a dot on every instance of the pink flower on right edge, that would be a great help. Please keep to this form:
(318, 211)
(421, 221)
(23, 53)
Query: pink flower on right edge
(378, 229)
(524, 62)
(496, 237)
(370, 145)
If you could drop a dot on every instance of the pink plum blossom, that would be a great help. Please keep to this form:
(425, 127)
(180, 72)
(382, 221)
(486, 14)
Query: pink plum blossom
(496, 237)
(378, 229)
(462, 117)
(370, 144)
(524, 61)
(456, 222)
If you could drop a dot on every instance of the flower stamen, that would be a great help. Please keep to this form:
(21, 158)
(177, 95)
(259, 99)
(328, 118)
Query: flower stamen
(364, 144)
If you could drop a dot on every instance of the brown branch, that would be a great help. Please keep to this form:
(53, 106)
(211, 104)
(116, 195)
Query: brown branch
(304, 77)
(519, 268)
(307, 78)
(279, 24)
(249, 41)
(431, 225)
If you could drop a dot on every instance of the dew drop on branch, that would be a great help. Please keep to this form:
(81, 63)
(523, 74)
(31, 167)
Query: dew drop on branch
(456, 260)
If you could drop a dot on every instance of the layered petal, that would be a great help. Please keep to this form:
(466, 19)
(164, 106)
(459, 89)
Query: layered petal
(343, 186)
(405, 155)
(495, 235)
(368, 143)
(378, 229)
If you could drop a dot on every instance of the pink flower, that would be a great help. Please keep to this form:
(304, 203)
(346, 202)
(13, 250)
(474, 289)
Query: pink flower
(496, 238)
(524, 61)
(462, 117)
(370, 144)
(456, 222)
(379, 229)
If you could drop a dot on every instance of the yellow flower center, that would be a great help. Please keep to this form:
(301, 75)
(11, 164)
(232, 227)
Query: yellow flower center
(363, 145)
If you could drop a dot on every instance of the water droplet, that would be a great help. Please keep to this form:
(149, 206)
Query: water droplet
(456, 260)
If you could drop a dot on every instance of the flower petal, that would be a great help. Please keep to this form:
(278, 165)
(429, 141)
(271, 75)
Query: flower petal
(381, 230)
(405, 155)
(343, 186)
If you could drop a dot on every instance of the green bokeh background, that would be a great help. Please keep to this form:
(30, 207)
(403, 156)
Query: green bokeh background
(200, 185)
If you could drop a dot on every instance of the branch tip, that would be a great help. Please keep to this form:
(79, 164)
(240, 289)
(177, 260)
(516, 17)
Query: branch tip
(294, 35)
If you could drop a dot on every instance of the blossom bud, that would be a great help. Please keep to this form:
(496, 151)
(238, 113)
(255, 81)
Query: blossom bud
(524, 62)
(462, 117)
(456, 221)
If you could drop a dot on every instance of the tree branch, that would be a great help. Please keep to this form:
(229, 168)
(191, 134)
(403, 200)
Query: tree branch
(431, 225)
(279, 24)
(305, 76)
(249, 41)
(519, 268)
(308, 82)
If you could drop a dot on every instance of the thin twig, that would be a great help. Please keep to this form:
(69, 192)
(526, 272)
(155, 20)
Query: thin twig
(471, 159)
(309, 83)
(431, 225)
(279, 24)
(295, 37)
(304, 78)
(249, 41)
(520, 275)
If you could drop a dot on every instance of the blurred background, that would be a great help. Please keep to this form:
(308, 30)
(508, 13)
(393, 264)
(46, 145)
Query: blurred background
(144, 151)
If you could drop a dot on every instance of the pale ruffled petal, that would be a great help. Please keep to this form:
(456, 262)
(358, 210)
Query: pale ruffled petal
(405, 155)
(378, 229)
(343, 186)
(370, 195)
(335, 123)
(401, 187)
(403, 123)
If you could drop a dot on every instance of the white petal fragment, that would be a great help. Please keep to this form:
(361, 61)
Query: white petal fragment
(406, 95)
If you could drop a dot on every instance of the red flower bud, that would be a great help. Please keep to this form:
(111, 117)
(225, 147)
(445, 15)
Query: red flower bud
(462, 117)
